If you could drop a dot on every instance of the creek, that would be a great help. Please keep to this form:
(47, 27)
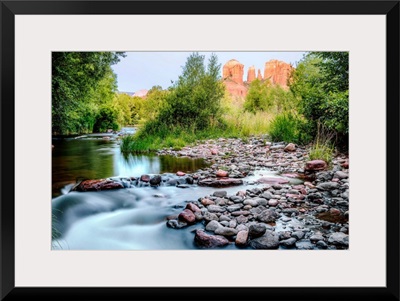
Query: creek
(123, 219)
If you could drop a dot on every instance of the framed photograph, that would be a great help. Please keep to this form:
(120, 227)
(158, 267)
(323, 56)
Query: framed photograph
(170, 149)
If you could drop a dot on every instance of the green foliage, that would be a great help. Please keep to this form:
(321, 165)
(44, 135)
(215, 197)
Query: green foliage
(106, 119)
(321, 84)
(194, 100)
(81, 83)
(289, 127)
(257, 98)
(263, 96)
(322, 147)
(155, 100)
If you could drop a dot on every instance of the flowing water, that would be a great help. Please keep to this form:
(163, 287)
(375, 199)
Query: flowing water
(124, 219)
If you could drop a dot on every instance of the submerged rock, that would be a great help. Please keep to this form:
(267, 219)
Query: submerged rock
(97, 185)
(223, 182)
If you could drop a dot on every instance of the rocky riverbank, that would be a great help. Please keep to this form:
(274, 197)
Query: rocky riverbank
(311, 213)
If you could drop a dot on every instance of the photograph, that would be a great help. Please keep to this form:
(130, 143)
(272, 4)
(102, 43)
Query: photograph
(200, 150)
(170, 149)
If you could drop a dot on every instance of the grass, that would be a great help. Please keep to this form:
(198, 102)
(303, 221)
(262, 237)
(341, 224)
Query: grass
(285, 127)
(322, 147)
(235, 123)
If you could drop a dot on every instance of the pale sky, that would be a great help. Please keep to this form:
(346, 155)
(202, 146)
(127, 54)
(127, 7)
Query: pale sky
(143, 70)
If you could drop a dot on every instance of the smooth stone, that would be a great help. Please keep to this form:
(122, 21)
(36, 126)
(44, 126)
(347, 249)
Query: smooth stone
(216, 209)
(241, 238)
(213, 225)
(257, 230)
(304, 244)
(268, 216)
(339, 238)
(290, 242)
(225, 231)
(204, 240)
(270, 240)
(187, 216)
(220, 193)
(298, 235)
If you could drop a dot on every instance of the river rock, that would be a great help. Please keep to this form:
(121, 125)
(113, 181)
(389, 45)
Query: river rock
(257, 230)
(187, 216)
(298, 235)
(198, 215)
(145, 178)
(208, 216)
(291, 147)
(220, 193)
(315, 165)
(290, 242)
(235, 207)
(271, 180)
(321, 244)
(224, 217)
(316, 237)
(204, 240)
(240, 212)
(207, 202)
(171, 182)
(304, 244)
(192, 207)
(266, 195)
(189, 180)
(216, 209)
(224, 182)
(268, 216)
(328, 186)
(175, 224)
(97, 185)
(251, 202)
(242, 219)
(341, 175)
(270, 240)
(236, 199)
(155, 181)
(339, 238)
(213, 225)
(273, 203)
(221, 173)
(241, 238)
(225, 231)
(180, 173)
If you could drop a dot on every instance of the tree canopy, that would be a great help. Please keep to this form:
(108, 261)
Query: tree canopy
(83, 84)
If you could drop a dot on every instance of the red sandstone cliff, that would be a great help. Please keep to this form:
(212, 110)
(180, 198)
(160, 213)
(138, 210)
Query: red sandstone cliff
(259, 76)
(251, 74)
(277, 72)
(234, 71)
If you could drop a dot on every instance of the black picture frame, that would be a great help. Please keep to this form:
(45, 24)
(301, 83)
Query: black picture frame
(8, 11)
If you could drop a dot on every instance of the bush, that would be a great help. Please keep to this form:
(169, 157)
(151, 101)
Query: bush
(289, 128)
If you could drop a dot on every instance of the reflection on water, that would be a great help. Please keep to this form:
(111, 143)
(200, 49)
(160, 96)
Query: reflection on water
(74, 159)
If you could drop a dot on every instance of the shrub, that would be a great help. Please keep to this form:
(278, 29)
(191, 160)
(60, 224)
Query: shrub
(289, 128)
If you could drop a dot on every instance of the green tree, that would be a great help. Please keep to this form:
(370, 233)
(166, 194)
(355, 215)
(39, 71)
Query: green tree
(77, 79)
(257, 97)
(155, 99)
(195, 99)
(321, 84)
